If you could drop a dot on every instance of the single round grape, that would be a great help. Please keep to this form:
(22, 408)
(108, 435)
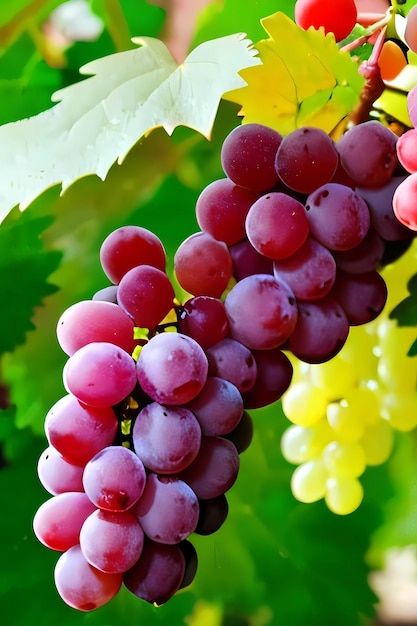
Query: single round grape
(337, 18)
(248, 155)
(377, 442)
(362, 296)
(412, 105)
(107, 294)
(79, 431)
(338, 217)
(231, 360)
(111, 542)
(172, 368)
(277, 225)
(221, 210)
(410, 33)
(158, 574)
(274, 375)
(310, 272)
(298, 444)
(191, 562)
(304, 404)
(166, 439)
(100, 374)
(336, 376)
(204, 319)
(57, 475)
(218, 407)
(215, 468)
(247, 261)
(399, 409)
(365, 257)
(92, 320)
(267, 300)
(344, 459)
(82, 586)
(404, 204)
(146, 294)
(308, 481)
(114, 479)
(213, 514)
(407, 149)
(391, 60)
(168, 509)
(241, 436)
(306, 159)
(203, 265)
(129, 246)
(58, 521)
(368, 154)
(347, 424)
(343, 495)
(321, 330)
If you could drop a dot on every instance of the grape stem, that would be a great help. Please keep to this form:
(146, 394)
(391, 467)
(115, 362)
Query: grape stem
(372, 29)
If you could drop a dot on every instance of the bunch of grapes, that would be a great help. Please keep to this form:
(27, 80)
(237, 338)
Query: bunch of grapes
(147, 440)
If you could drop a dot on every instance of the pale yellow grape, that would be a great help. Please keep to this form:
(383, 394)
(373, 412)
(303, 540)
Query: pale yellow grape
(344, 460)
(304, 404)
(336, 376)
(343, 495)
(346, 422)
(302, 443)
(359, 351)
(377, 442)
(400, 410)
(365, 402)
(308, 481)
(398, 372)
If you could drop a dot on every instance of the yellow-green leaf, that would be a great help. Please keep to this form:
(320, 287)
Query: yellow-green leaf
(97, 121)
(304, 79)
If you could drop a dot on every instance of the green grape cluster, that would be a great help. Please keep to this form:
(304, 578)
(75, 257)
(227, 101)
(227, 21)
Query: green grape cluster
(344, 412)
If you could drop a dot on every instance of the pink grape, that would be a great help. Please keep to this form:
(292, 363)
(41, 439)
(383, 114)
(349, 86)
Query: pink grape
(231, 360)
(82, 586)
(407, 150)
(92, 320)
(146, 294)
(202, 265)
(412, 105)
(58, 521)
(410, 34)
(321, 330)
(337, 18)
(168, 509)
(218, 407)
(158, 574)
(215, 468)
(127, 247)
(247, 261)
(114, 479)
(57, 475)
(310, 272)
(267, 300)
(248, 154)
(277, 225)
(166, 439)
(100, 374)
(364, 257)
(111, 542)
(274, 377)
(221, 210)
(79, 431)
(306, 159)
(404, 202)
(339, 218)
(368, 154)
(172, 368)
(204, 319)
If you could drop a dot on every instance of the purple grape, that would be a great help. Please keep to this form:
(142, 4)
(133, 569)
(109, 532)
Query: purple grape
(57, 475)
(321, 330)
(107, 294)
(204, 319)
(172, 368)
(100, 374)
(242, 435)
(365, 257)
(191, 562)
(267, 300)
(247, 261)
(114, 479)
(166, 439)
(274, 377)
(232, 361)
(310, 272)
(168, 509)
(248, 156)
(218, 407)
(339, 218)
(362, 296)
(213, 514)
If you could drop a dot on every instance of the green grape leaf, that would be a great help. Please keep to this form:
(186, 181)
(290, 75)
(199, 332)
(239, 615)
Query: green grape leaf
(24, 269)
(97, 121)
(304, 79)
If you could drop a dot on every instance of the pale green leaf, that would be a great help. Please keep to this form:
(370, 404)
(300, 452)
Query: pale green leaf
(97, 121)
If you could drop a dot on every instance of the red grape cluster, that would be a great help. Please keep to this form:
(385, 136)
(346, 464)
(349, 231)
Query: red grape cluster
(146, 443)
